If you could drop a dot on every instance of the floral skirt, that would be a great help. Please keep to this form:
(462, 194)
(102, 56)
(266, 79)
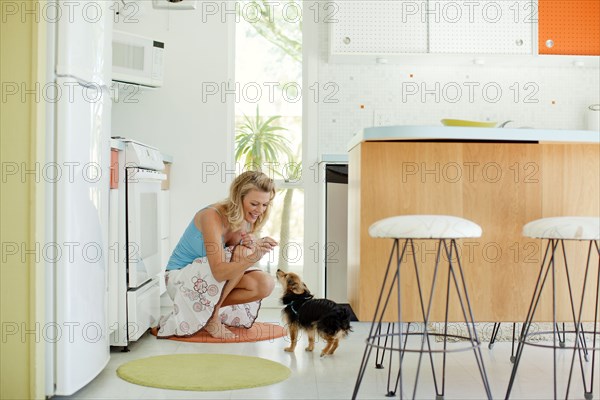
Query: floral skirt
(195, 292)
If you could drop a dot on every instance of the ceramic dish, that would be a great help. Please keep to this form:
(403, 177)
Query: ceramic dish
(473, 124)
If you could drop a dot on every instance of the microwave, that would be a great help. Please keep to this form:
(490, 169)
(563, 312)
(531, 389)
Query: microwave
(136, 59)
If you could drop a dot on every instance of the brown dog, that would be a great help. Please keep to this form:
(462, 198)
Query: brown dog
(322, 316)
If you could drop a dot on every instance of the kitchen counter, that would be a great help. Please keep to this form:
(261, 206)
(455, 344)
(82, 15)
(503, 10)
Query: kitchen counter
(333, 158)
(408, 132)
(498, 178)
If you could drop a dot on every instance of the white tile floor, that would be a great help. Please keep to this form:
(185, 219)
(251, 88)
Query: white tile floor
(334, 377)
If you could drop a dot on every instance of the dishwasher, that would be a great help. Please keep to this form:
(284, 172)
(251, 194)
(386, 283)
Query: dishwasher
(336, 234)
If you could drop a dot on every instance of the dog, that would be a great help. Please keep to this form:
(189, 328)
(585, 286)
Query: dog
(325, 317)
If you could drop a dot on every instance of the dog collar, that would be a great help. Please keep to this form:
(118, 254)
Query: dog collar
(291, 305)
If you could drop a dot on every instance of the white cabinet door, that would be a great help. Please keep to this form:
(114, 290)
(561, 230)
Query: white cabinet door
(377, 27)
(481, 27)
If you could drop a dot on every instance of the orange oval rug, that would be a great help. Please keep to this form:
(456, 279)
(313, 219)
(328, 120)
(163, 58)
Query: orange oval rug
(259, 331)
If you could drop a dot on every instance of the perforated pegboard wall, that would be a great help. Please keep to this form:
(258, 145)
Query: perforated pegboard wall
(382, 26)
(484, 26)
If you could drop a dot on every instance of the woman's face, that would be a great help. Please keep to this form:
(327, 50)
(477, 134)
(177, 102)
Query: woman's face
(255, 204)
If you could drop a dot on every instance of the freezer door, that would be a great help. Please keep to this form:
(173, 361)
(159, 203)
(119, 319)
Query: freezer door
(81, 221)
(84, 41)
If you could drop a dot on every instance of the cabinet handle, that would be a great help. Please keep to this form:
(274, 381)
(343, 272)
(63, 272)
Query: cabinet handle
(347, 40)
(549, 43)
(519, 42)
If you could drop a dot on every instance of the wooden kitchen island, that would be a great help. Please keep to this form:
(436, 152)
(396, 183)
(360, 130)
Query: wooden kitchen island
(498, 178)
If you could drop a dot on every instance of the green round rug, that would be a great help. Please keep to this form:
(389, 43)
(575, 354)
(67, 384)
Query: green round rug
(203, 372)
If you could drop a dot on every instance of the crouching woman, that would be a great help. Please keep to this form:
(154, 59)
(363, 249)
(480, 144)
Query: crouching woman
(211, 275)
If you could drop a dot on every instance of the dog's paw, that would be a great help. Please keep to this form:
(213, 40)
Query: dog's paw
(289, 349)
(324, 354)
(309, 348)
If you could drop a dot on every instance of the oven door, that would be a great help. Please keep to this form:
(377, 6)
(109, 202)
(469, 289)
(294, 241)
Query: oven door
(143, 225)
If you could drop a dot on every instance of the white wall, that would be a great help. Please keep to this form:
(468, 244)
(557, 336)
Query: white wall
(174, 118)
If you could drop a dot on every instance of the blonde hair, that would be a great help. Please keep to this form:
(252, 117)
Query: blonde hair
(240, 187)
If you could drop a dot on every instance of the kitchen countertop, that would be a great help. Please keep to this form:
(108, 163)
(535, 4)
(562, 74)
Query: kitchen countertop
(332, 158)
(412, 132)
(118, 144)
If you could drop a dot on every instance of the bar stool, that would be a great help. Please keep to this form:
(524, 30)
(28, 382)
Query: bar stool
(557, 230)
(404, 230)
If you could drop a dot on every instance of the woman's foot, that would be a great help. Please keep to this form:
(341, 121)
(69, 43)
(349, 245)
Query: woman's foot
(217, 330)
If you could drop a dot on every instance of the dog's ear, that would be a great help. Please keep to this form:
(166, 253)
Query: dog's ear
(295, 286)
(305, 288)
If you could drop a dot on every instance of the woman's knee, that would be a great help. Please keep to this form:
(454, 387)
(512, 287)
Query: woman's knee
(264, 285)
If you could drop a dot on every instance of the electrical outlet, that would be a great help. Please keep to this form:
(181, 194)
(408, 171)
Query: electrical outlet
(381, 118)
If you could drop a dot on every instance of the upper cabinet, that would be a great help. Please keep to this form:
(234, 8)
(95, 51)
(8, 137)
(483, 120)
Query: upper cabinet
(377, 27)
(387, 27)
(394, 29)
(480, 27)
(569, 27)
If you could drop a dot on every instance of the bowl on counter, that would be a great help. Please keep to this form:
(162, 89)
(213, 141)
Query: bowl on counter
(466, 123)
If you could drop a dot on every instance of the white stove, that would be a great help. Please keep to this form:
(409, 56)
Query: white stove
(140, 267)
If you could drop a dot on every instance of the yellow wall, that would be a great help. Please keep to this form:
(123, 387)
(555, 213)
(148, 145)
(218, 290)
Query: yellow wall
(22, 61)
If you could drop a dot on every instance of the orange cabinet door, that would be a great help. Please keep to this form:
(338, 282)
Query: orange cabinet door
(569, 27)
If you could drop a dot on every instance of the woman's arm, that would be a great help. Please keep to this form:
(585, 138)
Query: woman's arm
(212, 230)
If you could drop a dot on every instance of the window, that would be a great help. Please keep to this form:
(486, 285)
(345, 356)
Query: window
(268, 109)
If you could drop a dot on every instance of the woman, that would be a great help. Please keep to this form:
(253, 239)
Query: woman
(210, 275)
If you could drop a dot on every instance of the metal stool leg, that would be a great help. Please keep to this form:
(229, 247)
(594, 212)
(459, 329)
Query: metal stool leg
(580, 346)
(379, 311)
(578, 326)
(455, 277)
(561, 342)
(512, 345)
(588, 393)
(425, 336)
(378, 363)
(531, 312)
(474, 339)
(583, 343)
(392, 393)
(495, 330)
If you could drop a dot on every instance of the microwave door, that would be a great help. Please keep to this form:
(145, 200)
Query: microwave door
(132, 59)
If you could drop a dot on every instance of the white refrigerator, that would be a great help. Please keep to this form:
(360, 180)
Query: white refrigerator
(77, 190)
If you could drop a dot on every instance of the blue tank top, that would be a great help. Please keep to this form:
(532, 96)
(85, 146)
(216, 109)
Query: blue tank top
(190, 246)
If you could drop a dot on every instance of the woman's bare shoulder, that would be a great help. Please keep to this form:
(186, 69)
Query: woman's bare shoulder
(209, 215)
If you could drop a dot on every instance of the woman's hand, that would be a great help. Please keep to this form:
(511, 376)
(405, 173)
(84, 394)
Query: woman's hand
(267, 242)
(247, 240)
(258, 248)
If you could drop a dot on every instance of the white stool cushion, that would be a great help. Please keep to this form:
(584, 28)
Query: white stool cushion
(574, 228)
(425, 227)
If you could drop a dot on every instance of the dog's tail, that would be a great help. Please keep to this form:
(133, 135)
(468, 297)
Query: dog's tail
(336, 320)
(344, 316)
